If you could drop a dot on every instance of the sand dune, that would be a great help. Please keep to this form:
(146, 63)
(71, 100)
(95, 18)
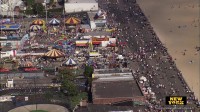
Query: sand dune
(176, 23)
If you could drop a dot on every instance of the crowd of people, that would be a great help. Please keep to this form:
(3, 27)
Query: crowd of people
(137, 40)
(148, 55)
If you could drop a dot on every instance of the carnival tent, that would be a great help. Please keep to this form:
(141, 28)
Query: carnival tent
(54, 21)
(38, 22)
(54, 53)
(35, 27)
(70, 62)
(72, 21)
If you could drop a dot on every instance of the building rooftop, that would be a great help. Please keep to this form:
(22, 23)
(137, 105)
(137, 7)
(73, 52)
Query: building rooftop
(114, 89)
(103, 71)
(82, 1)
(111, 108)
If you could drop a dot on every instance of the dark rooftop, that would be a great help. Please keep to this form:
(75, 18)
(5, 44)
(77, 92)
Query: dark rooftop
(103, 71)
(114, 89)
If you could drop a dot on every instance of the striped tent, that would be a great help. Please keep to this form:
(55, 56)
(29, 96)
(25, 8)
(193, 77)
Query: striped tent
(72, 21)
(27, 64)
(54, 21)
(54, 53)
(70, 62)
(38, 22)
(35, 27)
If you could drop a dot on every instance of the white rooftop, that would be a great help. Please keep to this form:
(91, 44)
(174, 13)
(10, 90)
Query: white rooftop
(82, 1)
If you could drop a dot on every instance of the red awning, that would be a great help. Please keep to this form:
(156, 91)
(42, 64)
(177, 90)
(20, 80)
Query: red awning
(96, 42)
(81, 44)
(111, 45)
(30, 69)
(4, 70)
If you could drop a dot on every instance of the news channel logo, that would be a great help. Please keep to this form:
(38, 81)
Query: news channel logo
(176, 100)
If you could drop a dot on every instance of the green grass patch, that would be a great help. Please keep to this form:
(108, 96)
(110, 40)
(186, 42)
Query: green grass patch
(38, 111)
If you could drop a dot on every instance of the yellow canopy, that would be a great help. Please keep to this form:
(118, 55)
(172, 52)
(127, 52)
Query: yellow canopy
(38, 22)
(54, 53)
(72, 21)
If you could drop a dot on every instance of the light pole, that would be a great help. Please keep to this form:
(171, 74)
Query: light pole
(35, 93)
(23, 15)
(64, 21)
(45, 1)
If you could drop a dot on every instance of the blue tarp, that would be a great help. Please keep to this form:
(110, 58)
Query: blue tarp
(10, 27)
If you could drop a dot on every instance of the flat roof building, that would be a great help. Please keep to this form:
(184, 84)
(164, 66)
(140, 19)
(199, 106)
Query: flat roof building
(81, 6)
(82, 1)
(113, 87)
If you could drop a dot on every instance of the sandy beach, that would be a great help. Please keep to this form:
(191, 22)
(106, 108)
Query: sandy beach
(176, 24)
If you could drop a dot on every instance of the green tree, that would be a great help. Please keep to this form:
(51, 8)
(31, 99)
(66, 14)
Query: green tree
(38, 8)
(67, 78)
(30, 3)
(88, 71)
(66, 74)
(69, 87)
(29, 11)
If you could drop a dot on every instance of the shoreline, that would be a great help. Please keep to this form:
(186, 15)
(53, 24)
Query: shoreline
(179, 36)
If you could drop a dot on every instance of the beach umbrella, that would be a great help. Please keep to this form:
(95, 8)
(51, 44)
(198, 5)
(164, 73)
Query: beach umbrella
(38, 22)
(54, 21)
(70, 62)
(54, 53)
(35, 27)
(72, 21)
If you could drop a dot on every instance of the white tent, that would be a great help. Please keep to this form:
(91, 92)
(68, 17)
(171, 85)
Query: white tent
(70, 62)
(143, 78)
(141, 81)
(120, 57)
(54, 21)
